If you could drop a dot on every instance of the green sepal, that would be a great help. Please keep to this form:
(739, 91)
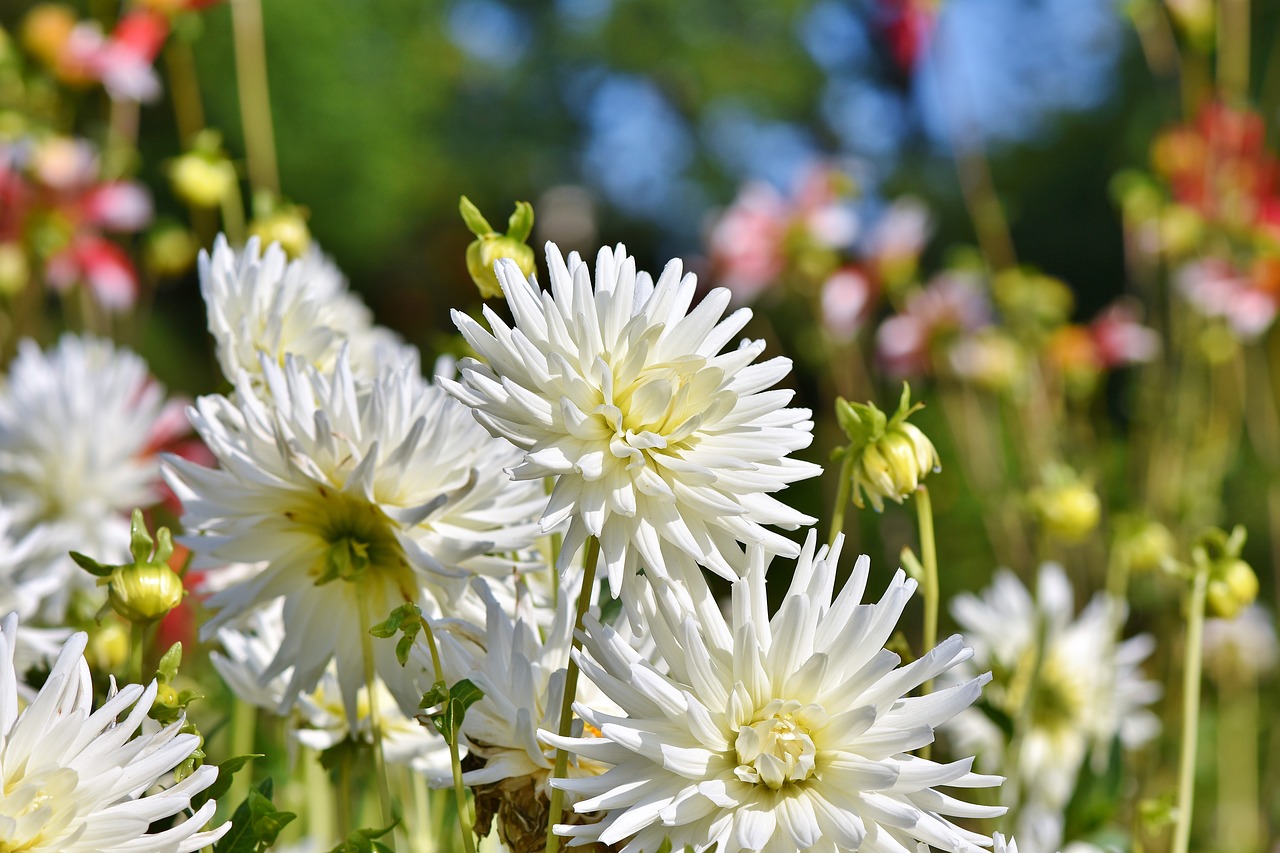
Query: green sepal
(474, 219)
(520, 223)
(167, 668)
(91, 565)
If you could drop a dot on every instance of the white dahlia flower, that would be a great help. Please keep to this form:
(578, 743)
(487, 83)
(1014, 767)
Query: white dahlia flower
(656, 438)
(1088, 692)
(75, 780)
(790, 733)
(350, 500)
(78, 427)
(260, 303)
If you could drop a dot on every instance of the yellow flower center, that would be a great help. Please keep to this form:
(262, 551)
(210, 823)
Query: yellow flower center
(29, 813)
(776, 749)
(356, 538)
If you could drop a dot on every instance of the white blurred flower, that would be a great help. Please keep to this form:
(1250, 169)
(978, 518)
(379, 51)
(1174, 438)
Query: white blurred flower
(1088, 692)
(77, 425)
(1243, 648)
(775, 734)
(846, 300)
(351, 500)
(261, 303)
(75, 780)
(656, 438)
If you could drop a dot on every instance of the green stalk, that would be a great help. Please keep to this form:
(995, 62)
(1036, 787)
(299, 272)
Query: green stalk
(244, 722)
(255, 98)
(570, 692)
(375, 719)
(1238, 806)
(137, 650)
(842, 498)
(455, 760)
(1190, 710)
(319, 801)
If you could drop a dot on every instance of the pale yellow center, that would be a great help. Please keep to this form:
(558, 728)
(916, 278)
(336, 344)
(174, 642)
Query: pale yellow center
(776, 749)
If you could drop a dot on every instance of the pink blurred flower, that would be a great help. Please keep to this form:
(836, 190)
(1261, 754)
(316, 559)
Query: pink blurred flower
(122, 63)
(754, 239)
(846, 302)
(906, 26)
(951, 302)
(101, 265)
(1120, 340)
(900, 233)
(1218, 290)
(123, 206)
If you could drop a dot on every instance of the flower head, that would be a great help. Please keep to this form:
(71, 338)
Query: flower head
(76, 780)
(889, 456)
(350, 501)
(656, 438)
(783, 733)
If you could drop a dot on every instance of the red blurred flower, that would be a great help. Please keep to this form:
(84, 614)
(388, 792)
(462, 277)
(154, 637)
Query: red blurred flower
(100, 265)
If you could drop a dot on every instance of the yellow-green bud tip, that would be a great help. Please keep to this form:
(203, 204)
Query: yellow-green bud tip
(490, 246)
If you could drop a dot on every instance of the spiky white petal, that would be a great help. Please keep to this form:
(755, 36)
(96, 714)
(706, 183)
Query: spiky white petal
(349, 500)
(659, 441)
(75, 779)
(261, 303)
(790, 733)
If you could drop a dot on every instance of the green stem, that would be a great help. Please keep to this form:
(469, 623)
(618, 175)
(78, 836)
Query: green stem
(1190, 710)
(375, 719)
(455, 760)
(319, 800)
(929, 561)
(842, 498)
(137, 650)
(346, 803)
(1238, 806)
(244, 722)
(570, 692)
(255, 98)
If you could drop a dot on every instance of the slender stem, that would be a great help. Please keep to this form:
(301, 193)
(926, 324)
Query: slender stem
(455, 760)
(346, 803)
(1238, 806)
(244, 723)
(184, 89)
(1190, 710)
(255, 98)
(570, 692)
(319, 808)
(375, 718)
(137, 649)
(929, 559)
(1233, 50)
(842, 498)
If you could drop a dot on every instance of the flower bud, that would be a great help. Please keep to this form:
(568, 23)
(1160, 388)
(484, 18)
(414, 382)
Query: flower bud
(108, 649)
(45, 31)
(1232, 587)
(144, 593)
(15, 272)
(489, 246)
(286, 225)
(890, 457)
(170, 250)
(1146, 545)
(1068, 511)
(201, 180)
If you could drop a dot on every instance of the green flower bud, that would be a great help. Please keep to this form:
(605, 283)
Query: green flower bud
(15, 272)
(489, 246)
(146, 589)
(201, 180)
(1066, 507)
(286, 226)
(1146, 545)
(170, 250)
(890, 457)
(1232, 585)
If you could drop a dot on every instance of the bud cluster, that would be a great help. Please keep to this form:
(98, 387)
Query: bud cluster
(890, 457)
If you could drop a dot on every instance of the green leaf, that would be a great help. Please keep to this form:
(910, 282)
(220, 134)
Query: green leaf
(453, 703)
(91, 565)
(167, 669)
(256, 823)
(226, 772)
(474, 220)
(391, 625)
(362, 841)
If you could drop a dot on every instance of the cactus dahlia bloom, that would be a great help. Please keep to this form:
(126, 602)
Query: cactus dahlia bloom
(75, 780)
(790, 733)
(659, 442)
(353, 500)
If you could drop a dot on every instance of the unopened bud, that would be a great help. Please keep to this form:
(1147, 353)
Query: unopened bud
(108, 648)
(1068, 511)
(1148, 545)
(286, 225)
(146, 589)
(201, 180)
(890, 456)
(170, 250)
(15, 272)
(489, 247)
(1232, 587)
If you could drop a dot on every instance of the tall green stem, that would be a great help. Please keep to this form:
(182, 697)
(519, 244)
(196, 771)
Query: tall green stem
(1190, 710)
(929, 560)
(318, 797)
(842, 498)
(1238, 806)
(137, 650)
(244, 724)
(255, 98)
(455, 760)
(375, 718)
(570, 692)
